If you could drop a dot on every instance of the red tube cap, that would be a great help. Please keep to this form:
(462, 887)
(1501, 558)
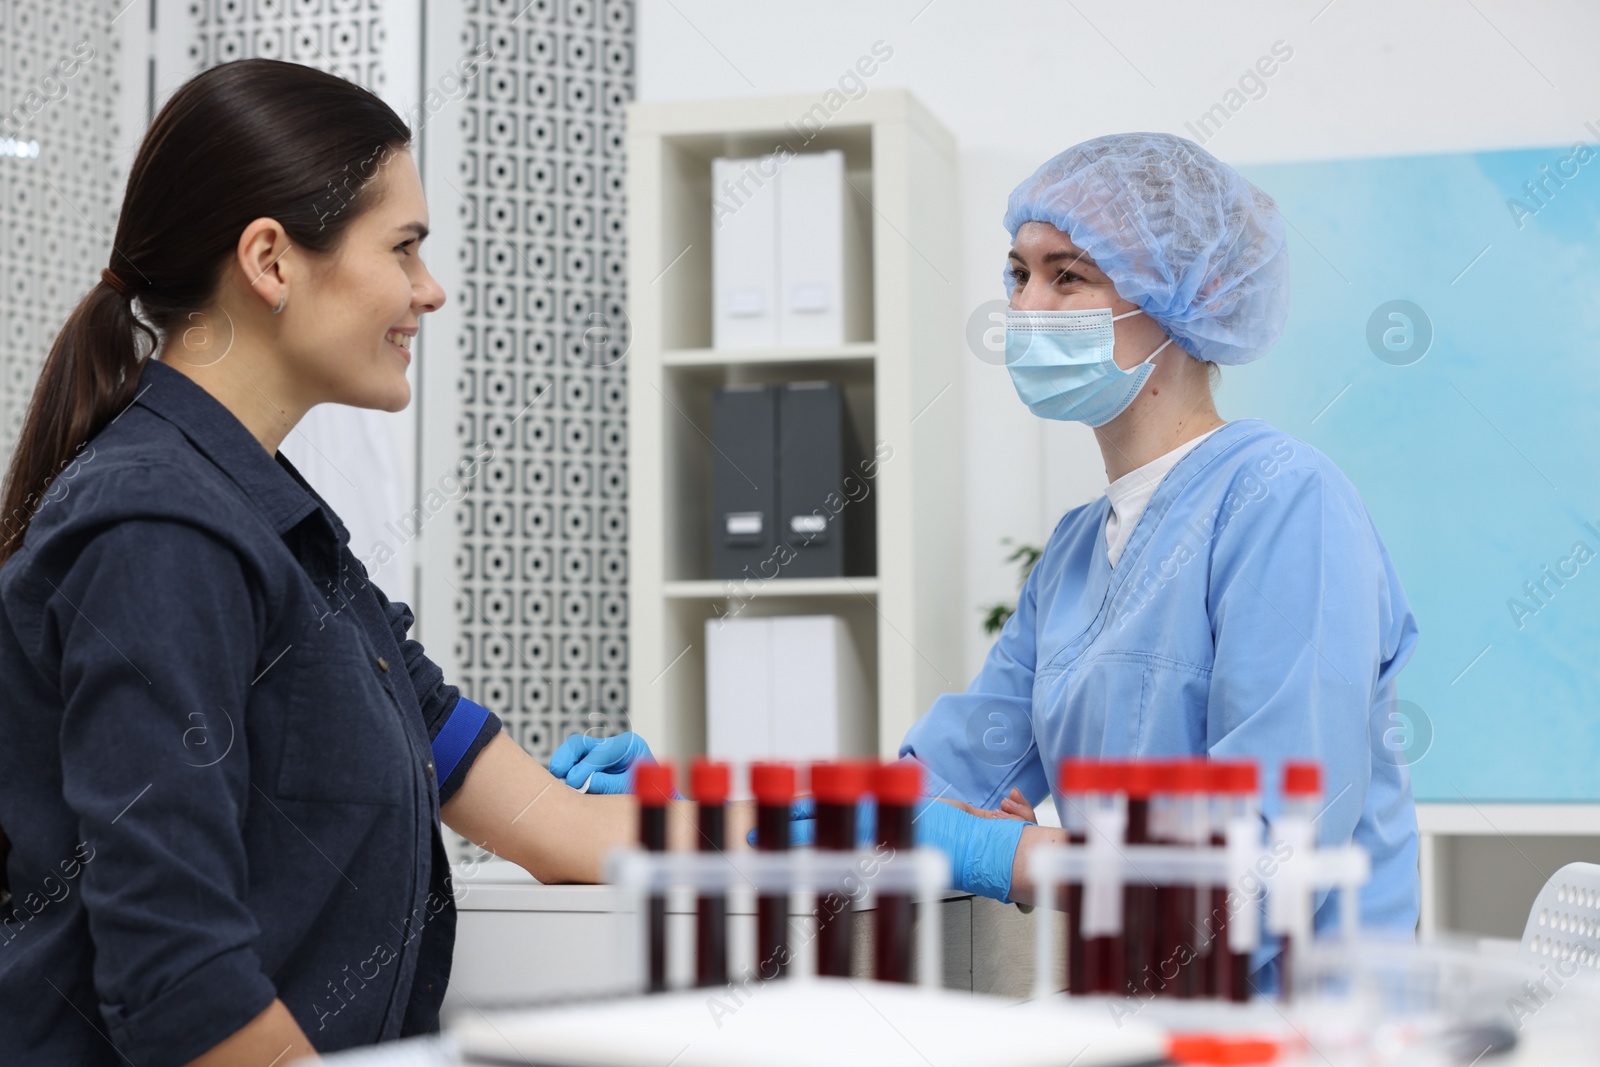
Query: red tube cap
(844, 782)
(708, 780)
(1110, 776)
(1141, 778)
(772, 783)
(898, 783)
(1302, 778)
(1184, 776)
(1080, 775)
(1233, 776)
(652, 784)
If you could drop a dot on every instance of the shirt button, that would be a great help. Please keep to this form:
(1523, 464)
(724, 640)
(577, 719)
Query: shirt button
(383, 665)
(430, 767)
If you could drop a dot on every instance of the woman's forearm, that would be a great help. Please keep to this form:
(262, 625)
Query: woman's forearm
(512, 806)
(1032, 837)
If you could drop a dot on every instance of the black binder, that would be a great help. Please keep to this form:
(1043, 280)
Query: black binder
(825, 501)
(744, 482)
(790, 496)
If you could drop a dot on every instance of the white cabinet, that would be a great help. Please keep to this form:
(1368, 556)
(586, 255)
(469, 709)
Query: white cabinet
(899, 369)
(519, 941)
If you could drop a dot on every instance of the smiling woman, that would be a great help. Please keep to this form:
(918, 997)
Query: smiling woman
(267, 260)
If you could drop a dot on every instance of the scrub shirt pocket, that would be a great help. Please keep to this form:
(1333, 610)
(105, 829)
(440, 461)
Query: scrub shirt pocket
(1098, 704)
(343, 741)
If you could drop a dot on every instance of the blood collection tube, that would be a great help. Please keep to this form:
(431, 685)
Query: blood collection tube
(838, 788)
(1182, 825)
(1107, 807)
(1293, 829)
(1078, 780)
(1213, 924)
(1235, 799)
(709, 782)
(1158, 979)
(652, 784)
(773, 786)
(897, 786)
(1141, 962)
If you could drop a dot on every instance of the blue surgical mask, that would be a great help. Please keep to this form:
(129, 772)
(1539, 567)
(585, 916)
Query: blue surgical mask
(1060, 362)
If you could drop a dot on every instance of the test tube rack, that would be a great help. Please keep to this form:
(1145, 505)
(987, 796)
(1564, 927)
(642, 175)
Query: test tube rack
(805, 875)
(1104, 865)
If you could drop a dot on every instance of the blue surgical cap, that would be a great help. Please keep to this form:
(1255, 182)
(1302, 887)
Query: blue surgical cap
(1179, 233)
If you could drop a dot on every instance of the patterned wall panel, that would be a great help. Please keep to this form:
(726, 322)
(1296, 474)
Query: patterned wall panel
(343, 37)
(542, 565)
(59, 185)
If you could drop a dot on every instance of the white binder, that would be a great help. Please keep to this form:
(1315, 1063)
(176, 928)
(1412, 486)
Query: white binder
(790, 262)
(744, 264)
(810, 251)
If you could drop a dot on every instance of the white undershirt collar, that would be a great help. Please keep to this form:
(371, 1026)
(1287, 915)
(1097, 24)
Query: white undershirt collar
(1130, 494)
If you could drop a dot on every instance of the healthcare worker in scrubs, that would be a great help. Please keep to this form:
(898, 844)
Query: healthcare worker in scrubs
(1228, 595)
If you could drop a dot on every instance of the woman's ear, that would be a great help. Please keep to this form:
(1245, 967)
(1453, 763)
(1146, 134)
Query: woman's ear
(262, 257)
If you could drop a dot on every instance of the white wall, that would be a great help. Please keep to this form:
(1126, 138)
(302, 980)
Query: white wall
(1018, 82)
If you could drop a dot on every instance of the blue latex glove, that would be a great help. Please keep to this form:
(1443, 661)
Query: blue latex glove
(605, 763)
(981, 850)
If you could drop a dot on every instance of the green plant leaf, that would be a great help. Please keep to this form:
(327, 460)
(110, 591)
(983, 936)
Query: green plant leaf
(995, 616)
(1024, 556)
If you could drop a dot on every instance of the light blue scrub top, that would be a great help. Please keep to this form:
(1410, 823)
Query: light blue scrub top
(1253, 613)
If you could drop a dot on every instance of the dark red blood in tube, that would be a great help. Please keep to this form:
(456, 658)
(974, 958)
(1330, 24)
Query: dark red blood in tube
(1235, 785)
(897, 785)
(1205, 960)
(1078, 777)
(1139, 915)
(838, 788)
(1179, 973)
(709, 783)
(774, 786)
(1104, 954)
(652, 783)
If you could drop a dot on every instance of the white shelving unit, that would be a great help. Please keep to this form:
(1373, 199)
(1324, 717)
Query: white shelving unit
(900, 385)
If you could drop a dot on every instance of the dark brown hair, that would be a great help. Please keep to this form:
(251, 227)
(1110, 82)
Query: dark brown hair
(258, 138)
(254, 139)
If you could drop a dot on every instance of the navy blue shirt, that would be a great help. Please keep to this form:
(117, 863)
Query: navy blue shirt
(218, 756)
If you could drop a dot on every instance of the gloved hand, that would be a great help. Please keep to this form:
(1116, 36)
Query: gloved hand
(981, 850)
(604, 763)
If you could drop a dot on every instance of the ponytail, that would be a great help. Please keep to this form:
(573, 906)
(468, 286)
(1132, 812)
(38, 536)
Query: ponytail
(87, 379)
